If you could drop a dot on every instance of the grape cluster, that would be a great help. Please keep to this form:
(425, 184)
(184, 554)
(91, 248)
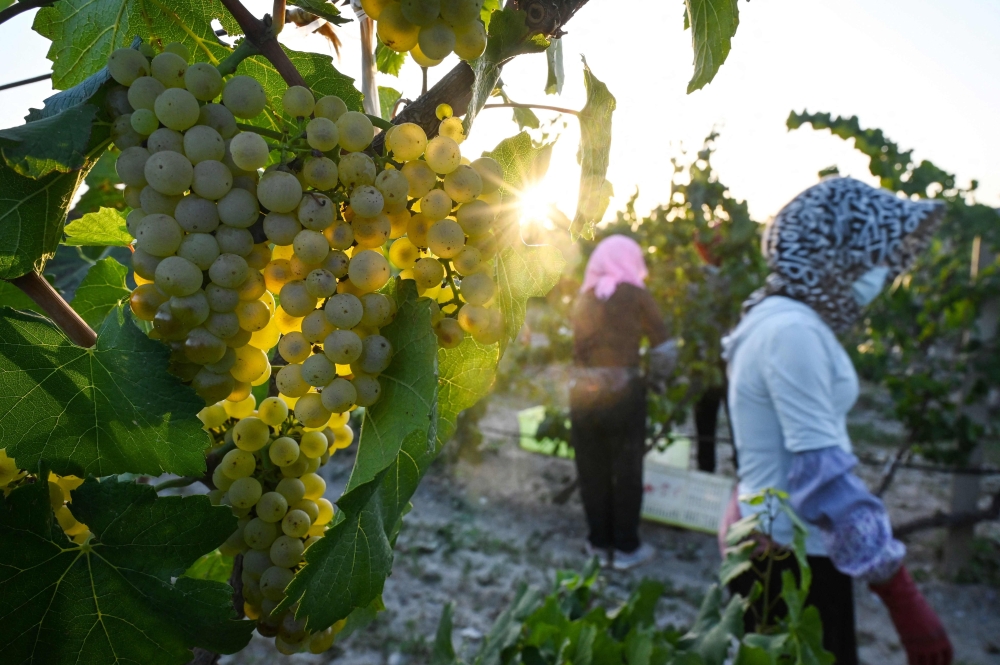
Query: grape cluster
(430, 29)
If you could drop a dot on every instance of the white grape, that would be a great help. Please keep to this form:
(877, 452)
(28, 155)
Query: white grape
(143, 92)
(428, 272)
(322, 134)
(436, 205)
(470, 40)
(321, 283)
(203, 81)
(152, 201)
(234, 241)
(330, 107)
(355, 131)
(446, 238)
(475, 218)
(281, 228)
(436, 39)
(344, 310)
(394, 30)
(317, 370)
(366, 201)
(177, 109)
(244, 97)
(145, 264)
(315, 326)
(201, 142)
(197, 215)
(375, 356)
(443, 154)
(219, 118)
(211, 179)
(176, 276)
(238, 208)
(126, 65)
(169, 172)
(221, 299)
(311, 247)
(168, 68)
(368, 389)
(342, 346)
(159, 235)
(490, 172)
(131, 166)
(295, 298)
(355, 169)
(403, 254)
(249, 151)
(144, 122)
(279, 191)
(298, 101)
(192, 310)
(369, 270)
(200, 249)
(229, 271)
(393, 187)
(371, 232)
(458, 12)
(408, 141)
(203, 347)
(315, 211)
(420, 12)
(320, 173)
(420, 177)
(165, 138)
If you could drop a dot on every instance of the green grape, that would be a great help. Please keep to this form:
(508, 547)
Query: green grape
(474, 319)
(200, 249)
(286, 552)
(311, 247)
(318, 371)
(490, 172)
(355, 169)
(244, 492)
(420, 176)
(393, 187)
(203, 81)
(272, 411)
(314, 484)
(403, 254)
(342, 437)
(443, 154)
(436, 205)
(290, 382)
(143, 92)
(298, 101)
(344, 310)
(463, 184)
(201, 142)
(254, 287)
(178, 49)
(322, 134)
(274, 581)
(293, 489)
(234, 241)
(153, 202)
(132, 221)
(221, 299)
(144, 122)
(428, 273)
(177, 109)
(259, 534)
(467, 261)
(368, 389)
(168, 68)
(251, 434)
(315, 211)
(223, 325)
(224, 365)
(145, 300)
(294, 348)
(478, 288)
(244, 97)
(295, 298)
(219, 477)
(131, 164)
(378, 310)
(421, 59)
(165, 138)
(247, 183)
(192, 310)
(219, 118)
(159, 235)
(212, 387)
(330, 107)
(197, 215)
(446, 238)
(271, 508)
(340, 236)
(313, 445)
(238, 464)
(394, 30)
(355, 130)
(116, 101)
(279, 191)
(229, 271)
(281, 228)
(470, 40)
(375, 356)
(486, 244)
(420, 12)
(449, 333)
(443, 111)
(169, 172)
(251, 363)
(315, 327)
(311, 413)
(238, 208)
(366, 201)
(295, 523)
(256, 561)
(320, 173)
(253, 315)
(144, 264)
(436, 39)
(249, 151)
(283, 451)
(124, 136)
(325, 512)
(126, 65)
(458, 12)
(321, 283)
(368, 270)
(234, 544)
(371, 232)
(342, 347)
(475, 218)
(133, 196)
(203, 347)
(408, 141)
(211, 180)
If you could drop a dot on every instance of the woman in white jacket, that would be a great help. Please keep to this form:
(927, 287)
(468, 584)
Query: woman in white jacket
(830, 252)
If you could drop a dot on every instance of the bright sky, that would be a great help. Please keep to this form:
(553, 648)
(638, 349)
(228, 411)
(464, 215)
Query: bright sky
(924, 71)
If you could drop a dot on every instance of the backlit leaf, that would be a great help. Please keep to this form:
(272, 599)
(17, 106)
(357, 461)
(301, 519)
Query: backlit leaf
(713, 24)
(103, 228)
(595, 152)
(101, 291)
(56, 143)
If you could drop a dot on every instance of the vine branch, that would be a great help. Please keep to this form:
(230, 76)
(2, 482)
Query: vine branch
(261, 36)
(544, 107)
(950, 520)
(64, 316)
(21, 7)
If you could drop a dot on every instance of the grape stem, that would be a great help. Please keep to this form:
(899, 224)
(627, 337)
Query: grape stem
(183, 481)
(277, 16)
(260, 35)
(244, 50)
(260, 130)
(46, 297)
(379, 122)
(544, 107)
(450, 276)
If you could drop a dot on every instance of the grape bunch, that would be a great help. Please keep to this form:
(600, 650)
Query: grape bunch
(429, 29)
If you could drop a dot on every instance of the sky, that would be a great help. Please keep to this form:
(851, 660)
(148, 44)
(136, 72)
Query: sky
(926, 72)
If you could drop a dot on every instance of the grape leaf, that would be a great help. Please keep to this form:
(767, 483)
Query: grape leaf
(113, 599)
(524, 272)
(465, 375)
(56, 143)
(525, 118)
(322, 8)
(109, 409)
(84, 33)
(100, 291)
(75, 96)
(103, 228)
(595, 151)
(556, 75)
(213, 566)
(387, 98)
(713, 24)
(517, 157)
(101, 190)
(408, 388)
(388, 61)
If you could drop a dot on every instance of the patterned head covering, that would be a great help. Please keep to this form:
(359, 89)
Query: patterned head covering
(834, 232)
(616, 260)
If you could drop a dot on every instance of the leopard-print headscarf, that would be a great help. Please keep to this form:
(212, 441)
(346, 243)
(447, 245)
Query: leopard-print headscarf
(834, 232)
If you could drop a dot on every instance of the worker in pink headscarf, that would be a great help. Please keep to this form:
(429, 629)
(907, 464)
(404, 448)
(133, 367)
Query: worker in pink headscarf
(612, 314)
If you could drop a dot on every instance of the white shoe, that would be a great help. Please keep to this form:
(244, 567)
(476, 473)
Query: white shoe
(603, 555)
(626, 560)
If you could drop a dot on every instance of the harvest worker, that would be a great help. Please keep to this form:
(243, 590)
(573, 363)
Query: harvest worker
(612, 314)
(830, 252)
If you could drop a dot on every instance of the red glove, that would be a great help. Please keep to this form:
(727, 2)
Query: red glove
(920, 630)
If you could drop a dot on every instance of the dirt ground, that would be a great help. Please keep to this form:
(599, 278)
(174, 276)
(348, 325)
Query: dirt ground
(484, 520)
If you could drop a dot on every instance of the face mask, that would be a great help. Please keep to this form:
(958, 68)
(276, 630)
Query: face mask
(867, 287)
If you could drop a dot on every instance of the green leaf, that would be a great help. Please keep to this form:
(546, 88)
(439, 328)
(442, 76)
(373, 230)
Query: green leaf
(517, 157)
(79, 94)
(213, 566)
(56, 143)
(739, 559)
(713, 24)
(387, 98)
(84, 33)
(465, 375)
(595, 151)
(15, 298)
(525, 118)
(507, 627)
(388, 61)
(322, 8)
(103, 228)
(556, 75)
(444, 650)
(101, 184)
(524, 272)
(109, 409)
(101, 291)
(709, 636)
(409, 387)
(113, 599)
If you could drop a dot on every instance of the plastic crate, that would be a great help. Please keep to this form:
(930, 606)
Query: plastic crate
(681, 497)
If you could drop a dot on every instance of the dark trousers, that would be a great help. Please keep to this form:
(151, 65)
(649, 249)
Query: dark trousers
(706, 417)
(608, 434)
(832, 594)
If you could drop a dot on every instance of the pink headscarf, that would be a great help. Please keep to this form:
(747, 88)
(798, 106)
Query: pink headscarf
(616, 260)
